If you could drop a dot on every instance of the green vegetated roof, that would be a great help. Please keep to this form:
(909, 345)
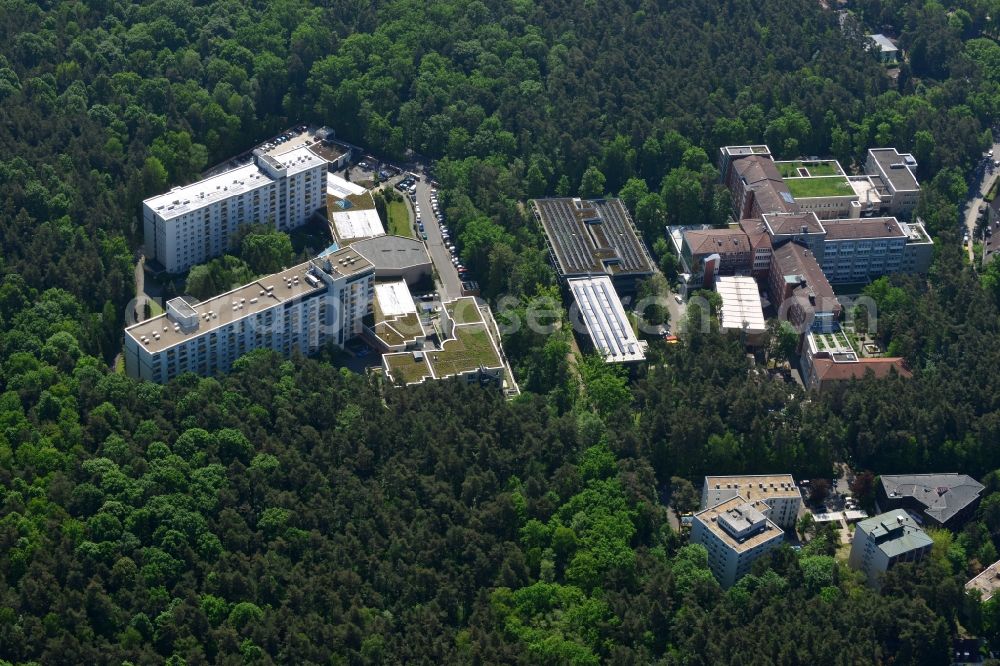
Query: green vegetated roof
(471, 348)
(463, 311)
(819, 186)
(815, 168)
(407, 367)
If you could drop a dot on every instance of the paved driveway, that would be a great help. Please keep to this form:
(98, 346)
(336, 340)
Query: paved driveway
(972, 207)
(450, 286)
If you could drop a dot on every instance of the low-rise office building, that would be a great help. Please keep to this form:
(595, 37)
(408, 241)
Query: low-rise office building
(608, 329)
(194, 223)
(777, 491)
(885, 540)
(828, 359)
(736, 533)
(587, 238)
(396, 257)
(469, 350)
(894, 173)
(298, 310)
(741, 313)
(939, 500)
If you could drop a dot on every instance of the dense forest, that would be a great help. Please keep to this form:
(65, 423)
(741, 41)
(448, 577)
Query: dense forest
(294, 512)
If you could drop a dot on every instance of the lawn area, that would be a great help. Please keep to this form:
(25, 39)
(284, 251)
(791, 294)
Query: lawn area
(818, 168)
(470, 349)
(826, 186)
(463, 311)
(404, 366)
(154, 308)
(399, 220)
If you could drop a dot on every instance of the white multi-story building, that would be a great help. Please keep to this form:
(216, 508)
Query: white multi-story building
(895, 171)
(194, 223)
(777, 491)
(736, 534)
(885, 540)
(300, 309)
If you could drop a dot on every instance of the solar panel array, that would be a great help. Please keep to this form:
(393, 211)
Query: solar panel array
(605, 319)
(576, 249)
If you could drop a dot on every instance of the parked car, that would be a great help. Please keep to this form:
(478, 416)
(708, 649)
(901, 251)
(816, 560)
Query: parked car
(420, 225)
(424, 236)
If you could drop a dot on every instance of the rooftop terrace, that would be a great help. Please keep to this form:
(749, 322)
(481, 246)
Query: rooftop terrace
(736, 516)
(819, 186)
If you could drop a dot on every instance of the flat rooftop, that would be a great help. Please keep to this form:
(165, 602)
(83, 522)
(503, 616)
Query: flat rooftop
(896, 167)
(867, 191)
(863, 228)
(605, 320)
(298, 160)
(269, 291)
(394, 298)
(341, 187)
(392, 252)
(734, 512)
(470, 347)
(351, 224)
(987, 582)
(395, 320)
(246, 178)
(751, 487)
(741, 308)
(800, 168)
(819, 186)
(186, 198)
(592, 237)
(741, 151)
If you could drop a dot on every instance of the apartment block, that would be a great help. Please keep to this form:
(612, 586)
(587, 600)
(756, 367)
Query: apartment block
(736, 533)
(194, 223)
(885, 540)
(777, 491)
(297, 310)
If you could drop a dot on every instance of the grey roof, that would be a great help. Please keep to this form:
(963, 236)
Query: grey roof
(897, 167)
(392, 252)
(592, 237)
(943, 495)
(895, 533)
(883, 42)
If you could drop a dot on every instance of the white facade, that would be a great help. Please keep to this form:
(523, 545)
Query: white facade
(300, 309)
(191, 224)
(736, 533)
(898, 172)
(605, 320)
